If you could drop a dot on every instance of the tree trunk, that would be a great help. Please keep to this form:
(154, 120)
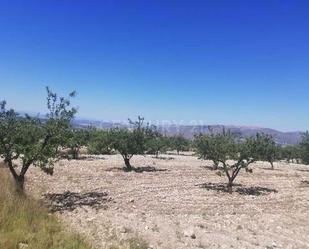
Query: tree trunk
(215, 166)
(230, 187)
(127, 163)
(74, 153)
(272, 165)
(20, 183)
(19, 179)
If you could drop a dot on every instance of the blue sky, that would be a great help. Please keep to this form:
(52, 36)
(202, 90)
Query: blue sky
(213, 62)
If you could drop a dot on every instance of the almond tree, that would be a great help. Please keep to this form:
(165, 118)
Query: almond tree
(157, 144)
(100, 142)
(202, 144)
(75, 140)
(131, 142)
(179, 143)
(267, 149)
(33, 140)
(232, 155)
(291, 153)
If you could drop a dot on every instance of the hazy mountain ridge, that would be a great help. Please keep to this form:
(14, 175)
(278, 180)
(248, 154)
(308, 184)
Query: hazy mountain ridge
(188, 131)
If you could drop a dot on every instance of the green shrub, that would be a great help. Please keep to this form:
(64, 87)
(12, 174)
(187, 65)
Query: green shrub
(179, 143)
(100, 143)
(304, 148)
(75, 139)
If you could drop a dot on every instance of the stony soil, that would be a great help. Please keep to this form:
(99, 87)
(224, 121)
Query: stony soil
(180, 204)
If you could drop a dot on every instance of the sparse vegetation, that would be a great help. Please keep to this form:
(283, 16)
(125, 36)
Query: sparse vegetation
(25, 221)
(26, 141)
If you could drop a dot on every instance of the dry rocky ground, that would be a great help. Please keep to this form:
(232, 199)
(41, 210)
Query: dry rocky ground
(176, 202)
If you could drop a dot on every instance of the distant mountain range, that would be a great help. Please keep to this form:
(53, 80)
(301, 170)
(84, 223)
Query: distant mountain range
(188, 131)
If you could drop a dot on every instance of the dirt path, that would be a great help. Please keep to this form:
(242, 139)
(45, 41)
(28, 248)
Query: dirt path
(180, 205)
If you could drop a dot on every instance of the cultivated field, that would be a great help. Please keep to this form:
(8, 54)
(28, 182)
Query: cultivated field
(176, 202)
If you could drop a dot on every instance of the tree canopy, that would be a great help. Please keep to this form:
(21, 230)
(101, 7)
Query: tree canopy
(34, 140)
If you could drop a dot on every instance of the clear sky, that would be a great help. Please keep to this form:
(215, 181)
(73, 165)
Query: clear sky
(213, 62)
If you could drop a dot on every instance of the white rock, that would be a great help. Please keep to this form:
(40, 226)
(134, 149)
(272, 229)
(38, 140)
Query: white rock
(189, 233)
(23, 246)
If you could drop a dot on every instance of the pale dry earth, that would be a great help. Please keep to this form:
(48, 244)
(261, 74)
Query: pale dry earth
(170, 208)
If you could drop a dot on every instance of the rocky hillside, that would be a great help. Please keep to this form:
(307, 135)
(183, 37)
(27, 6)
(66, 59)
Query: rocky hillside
(189, 130)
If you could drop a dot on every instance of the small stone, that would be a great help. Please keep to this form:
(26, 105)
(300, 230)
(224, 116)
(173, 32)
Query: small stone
(123, 230)
(131, 200)
(189, 233)
(22, 246)
(91, 219)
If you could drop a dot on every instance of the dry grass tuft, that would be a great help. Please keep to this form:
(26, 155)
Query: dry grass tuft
(26, 221)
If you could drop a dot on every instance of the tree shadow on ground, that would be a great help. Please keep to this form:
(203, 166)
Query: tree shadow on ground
(88, 158)
(163, 158)
(270, 169)
(208, 167)
(137, 169)
(305, 183)
(175, 154)
(143, 169)
(256, 191)
(68, 201)
(303, 170)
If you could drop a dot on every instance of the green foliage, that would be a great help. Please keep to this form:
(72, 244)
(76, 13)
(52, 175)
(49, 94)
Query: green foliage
(132, 142)
(33, 140)
(216, 147)
(267, 149)
(304, 148)
(179, 143)
(227, 153)
(74, 140)
(157, 144)
(291, 153)
(219, 146)
(100, 142)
